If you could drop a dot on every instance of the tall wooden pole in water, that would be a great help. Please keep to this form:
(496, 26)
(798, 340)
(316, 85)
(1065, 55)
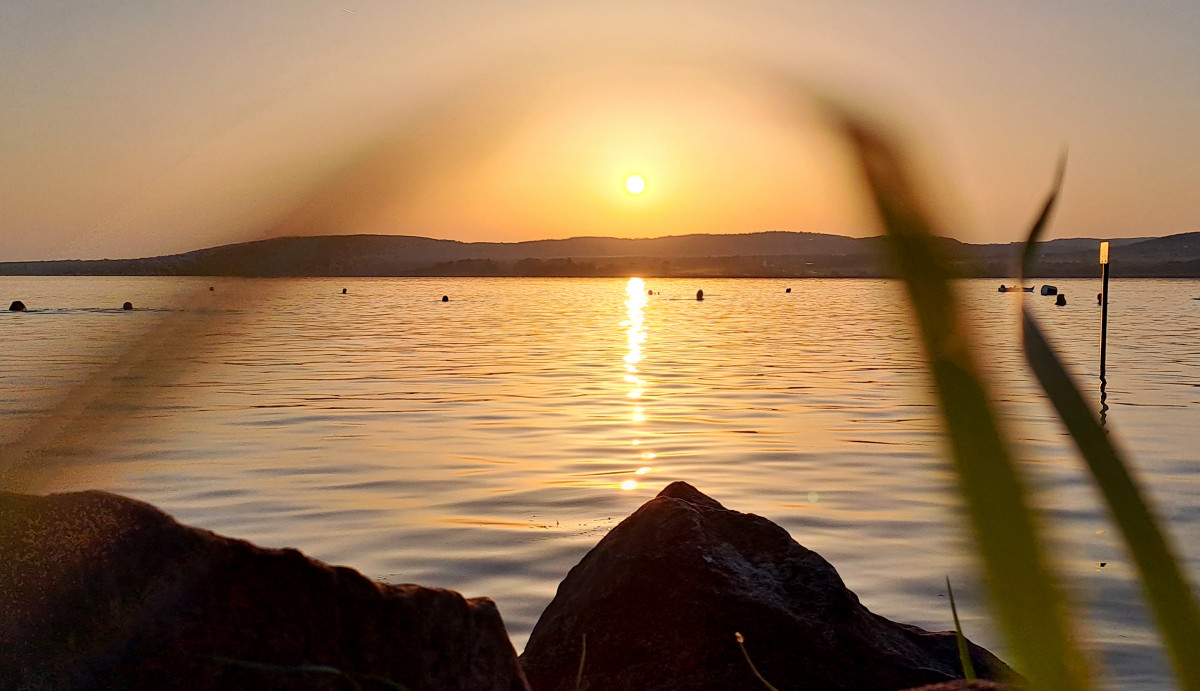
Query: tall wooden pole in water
(1103, 306)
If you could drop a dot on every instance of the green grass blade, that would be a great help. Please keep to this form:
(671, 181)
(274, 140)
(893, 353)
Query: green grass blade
(271, 668)
(1171, 600)
(964, 652)
(582, 658)
(1043, 219)
(1027, 602)
(741, 641)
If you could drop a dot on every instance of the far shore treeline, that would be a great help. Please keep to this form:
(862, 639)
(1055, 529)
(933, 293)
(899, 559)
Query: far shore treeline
(776, 254)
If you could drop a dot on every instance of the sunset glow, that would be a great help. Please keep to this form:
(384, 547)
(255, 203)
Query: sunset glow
(635, 184)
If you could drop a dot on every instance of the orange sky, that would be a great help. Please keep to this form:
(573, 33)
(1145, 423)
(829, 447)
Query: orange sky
(129, 130)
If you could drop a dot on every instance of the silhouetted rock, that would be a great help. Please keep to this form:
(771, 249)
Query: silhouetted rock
(661, 596)
(445, 298)
(99, 591)
(699, 294)
(127, 306)
(1060, 300)
(16, 306)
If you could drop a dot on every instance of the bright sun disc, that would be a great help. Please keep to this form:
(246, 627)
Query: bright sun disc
(635, 184)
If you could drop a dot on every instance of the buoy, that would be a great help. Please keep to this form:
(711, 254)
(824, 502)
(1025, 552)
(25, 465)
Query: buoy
(1049, 290)
(127, 306)
(445, 298)
(788, 290)
(1062, 300)
(211, 289)
(343, 291)
(16, 306)
(699, 294)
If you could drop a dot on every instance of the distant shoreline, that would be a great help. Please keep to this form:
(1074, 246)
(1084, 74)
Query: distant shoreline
(774, 254)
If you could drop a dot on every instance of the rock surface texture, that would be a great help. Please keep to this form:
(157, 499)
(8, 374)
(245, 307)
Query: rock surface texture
(661, 596)
(98, 591)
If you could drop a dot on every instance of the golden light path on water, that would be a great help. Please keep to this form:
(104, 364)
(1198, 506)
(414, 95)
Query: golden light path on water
(635, 325)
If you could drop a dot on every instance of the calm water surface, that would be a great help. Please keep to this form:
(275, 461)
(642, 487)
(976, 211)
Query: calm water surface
(486, 443)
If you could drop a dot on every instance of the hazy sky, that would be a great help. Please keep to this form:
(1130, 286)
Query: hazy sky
(133, 129)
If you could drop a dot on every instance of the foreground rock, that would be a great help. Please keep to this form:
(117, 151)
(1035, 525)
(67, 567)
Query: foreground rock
(98, 591)
(660, 598)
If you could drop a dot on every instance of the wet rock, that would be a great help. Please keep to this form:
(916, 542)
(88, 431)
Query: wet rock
(662, 595)
(16, 306)
(99, 591)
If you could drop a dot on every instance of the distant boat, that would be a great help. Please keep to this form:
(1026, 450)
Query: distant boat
(1012, 289)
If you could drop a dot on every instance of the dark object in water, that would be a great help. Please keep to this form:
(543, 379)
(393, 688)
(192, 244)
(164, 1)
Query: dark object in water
(16, 306)
(343, 291)
(445, 298)
(788, 290)
(211, 289)
(699, 294)
(1100, 298)
(1003, 289)
(1062, 300)
(649, 292)
(1049, 290)
(1028, 290)
(127, 306)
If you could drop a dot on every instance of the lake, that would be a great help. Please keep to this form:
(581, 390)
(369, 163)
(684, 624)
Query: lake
(487, 442)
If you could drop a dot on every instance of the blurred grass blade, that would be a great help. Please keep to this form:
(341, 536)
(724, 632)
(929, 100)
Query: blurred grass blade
(964, 653)
(1171, 599)
(1043, 219)
(1026, 600)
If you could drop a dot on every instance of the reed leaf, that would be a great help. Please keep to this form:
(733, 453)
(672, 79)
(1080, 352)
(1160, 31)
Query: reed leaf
(1170, 597)
(352, 680)
(741, 641)
(582, 659)
(1027, 602)
(964, 652)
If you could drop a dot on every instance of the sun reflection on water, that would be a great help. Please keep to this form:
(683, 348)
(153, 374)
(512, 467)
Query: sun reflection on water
(635, 305)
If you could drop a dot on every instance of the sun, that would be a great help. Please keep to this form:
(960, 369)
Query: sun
(635, 184)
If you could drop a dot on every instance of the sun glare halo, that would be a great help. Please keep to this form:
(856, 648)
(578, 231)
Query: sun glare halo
(635, 184)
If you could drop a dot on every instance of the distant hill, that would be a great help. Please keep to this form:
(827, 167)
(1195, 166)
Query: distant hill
(775, 253)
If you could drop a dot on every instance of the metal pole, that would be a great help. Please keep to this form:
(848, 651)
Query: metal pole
(1103, 306)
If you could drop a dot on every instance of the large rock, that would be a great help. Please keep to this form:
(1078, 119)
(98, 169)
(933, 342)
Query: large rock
(98, 591)
(662, 595)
